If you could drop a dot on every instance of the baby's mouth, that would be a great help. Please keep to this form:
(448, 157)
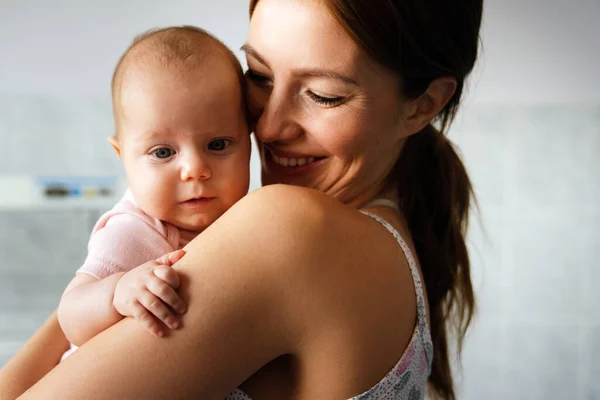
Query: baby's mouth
(197, 201)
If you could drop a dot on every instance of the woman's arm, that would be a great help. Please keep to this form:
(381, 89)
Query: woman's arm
(239, 279)
(39, 355)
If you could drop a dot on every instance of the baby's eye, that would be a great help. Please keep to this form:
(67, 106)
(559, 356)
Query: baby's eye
(163, 152)
(219, 144)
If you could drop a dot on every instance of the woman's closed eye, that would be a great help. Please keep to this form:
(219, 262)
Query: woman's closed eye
(264, 81)
(324, 100)
(257, 78)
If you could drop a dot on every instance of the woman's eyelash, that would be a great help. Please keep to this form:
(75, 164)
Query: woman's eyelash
(328, 101)
(261, 79)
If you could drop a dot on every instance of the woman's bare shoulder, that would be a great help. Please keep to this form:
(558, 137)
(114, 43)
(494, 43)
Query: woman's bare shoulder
(279, 215)
(281, 242)
(284, 201)
(282, 225)
(276, 244)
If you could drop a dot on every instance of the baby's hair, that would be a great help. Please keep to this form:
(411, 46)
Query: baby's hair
(178, 49)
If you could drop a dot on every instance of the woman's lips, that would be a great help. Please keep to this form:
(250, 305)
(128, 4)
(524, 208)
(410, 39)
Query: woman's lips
(292, 162)
(289, 163)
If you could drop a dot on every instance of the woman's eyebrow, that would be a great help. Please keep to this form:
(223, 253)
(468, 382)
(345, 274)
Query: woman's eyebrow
(303, 73)
(250, 51)
(324, 73)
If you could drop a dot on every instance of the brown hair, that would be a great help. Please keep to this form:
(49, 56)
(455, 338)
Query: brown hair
(178, 47)
(421, 40)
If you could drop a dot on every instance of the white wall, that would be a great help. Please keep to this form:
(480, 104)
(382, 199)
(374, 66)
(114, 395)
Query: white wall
(535, 51)
(69, 47)
(539, 52)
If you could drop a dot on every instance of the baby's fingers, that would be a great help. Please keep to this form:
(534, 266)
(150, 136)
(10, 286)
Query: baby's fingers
(139, 312)
(167, 294)
(159, 310)
(168, 275)
(171, 258)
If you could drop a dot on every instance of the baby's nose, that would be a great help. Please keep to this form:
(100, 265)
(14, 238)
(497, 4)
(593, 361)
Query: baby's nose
(195, 168)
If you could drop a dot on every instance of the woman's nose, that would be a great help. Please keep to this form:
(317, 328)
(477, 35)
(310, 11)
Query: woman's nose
(276, 121)
(195, 168)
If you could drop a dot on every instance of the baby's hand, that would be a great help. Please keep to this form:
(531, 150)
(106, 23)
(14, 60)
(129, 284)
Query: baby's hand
(145, 292)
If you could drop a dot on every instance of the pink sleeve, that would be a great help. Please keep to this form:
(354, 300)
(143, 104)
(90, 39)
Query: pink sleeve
(124, 242)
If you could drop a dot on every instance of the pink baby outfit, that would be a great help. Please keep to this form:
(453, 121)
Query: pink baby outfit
(126, 237)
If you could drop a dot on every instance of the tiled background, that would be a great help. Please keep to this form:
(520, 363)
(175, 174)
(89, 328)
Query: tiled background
(529, 132)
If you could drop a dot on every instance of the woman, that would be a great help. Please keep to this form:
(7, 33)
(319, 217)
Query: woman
(294, 293)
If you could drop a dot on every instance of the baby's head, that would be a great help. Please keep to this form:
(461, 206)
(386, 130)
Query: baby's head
(181, 127)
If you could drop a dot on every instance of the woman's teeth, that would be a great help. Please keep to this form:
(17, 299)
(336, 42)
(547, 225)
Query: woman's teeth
(292, 162)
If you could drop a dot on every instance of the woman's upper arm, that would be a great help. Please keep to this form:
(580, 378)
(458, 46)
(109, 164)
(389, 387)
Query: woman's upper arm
(238, 279)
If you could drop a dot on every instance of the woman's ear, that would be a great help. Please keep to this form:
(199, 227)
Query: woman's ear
(114, 142)
(420, 111)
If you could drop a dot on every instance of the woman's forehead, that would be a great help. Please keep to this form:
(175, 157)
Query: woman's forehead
(300, 37)
(304, 31)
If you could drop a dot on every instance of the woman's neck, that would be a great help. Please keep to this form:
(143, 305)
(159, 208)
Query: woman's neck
(386, 197)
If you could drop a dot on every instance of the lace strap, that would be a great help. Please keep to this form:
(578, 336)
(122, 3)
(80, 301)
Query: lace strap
(421, 309)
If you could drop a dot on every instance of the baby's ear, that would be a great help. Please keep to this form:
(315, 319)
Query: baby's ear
(114, 142)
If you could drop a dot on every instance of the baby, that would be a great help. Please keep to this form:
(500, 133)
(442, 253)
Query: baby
(182, 136)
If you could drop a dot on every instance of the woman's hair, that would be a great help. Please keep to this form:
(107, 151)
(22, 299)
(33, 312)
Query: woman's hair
(422, 40)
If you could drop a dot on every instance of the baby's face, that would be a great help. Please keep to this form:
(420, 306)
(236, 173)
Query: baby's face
(184, 143)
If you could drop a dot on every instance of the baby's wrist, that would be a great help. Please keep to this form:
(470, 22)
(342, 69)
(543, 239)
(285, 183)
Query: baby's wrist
(117, 277)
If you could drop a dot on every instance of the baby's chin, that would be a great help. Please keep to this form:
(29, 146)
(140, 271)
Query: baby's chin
(192, 219)
(190, 227)
(196, 224)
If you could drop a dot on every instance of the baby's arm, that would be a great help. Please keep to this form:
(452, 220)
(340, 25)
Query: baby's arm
(86, 307)
(91, 305)
(115, 281)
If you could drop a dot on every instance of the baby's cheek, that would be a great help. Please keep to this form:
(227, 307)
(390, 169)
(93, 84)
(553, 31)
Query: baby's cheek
(153, 194)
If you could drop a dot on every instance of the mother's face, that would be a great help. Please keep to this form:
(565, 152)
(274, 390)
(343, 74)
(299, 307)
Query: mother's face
(326, 116)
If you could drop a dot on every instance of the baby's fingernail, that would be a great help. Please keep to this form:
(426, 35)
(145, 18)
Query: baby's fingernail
(174, 324)
(160, 333)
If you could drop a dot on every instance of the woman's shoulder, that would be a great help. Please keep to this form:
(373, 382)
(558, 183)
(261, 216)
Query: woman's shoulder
(285, 209)
(296, 219)
(296, 238)
(277, 225)
(333, 278)
(255, 263)
(289, 270)
(302, 238)
(286, 200)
